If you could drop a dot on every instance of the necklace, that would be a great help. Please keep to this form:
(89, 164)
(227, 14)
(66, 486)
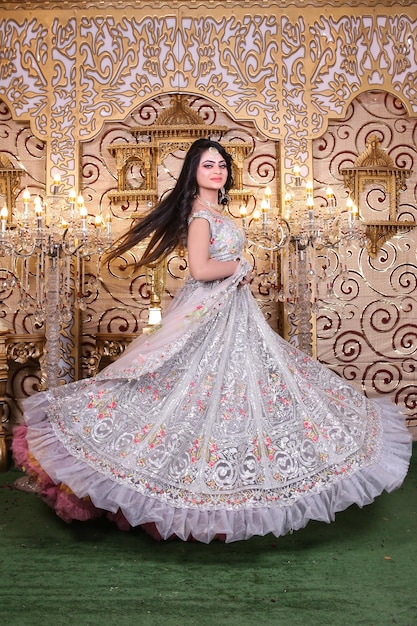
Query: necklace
(211, 205)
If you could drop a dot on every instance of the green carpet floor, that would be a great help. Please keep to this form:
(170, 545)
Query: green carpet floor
(359, 570)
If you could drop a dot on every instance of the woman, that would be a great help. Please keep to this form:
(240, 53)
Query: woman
(213, 426)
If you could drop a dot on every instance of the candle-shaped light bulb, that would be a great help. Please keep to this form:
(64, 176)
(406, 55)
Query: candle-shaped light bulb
(83, 216)
(310, 207)
(349, 207)
(57, 182)
(309, 187)
(355, 212)
(72, 195)
(108, 221)
(26, 198)
(330, 198)
(4, 214)
(264, 209)
(38, 211)
(297, 175)
(98, 221)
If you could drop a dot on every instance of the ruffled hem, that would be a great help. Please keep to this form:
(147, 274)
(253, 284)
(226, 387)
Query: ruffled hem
(78, 492)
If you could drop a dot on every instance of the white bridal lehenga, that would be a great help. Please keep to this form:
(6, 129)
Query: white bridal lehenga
(213, 426)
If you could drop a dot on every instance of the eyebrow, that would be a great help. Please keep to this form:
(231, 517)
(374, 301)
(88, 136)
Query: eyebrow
(213, 161)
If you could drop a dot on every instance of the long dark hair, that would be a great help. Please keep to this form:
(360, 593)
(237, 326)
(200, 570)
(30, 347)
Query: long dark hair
(167, 222)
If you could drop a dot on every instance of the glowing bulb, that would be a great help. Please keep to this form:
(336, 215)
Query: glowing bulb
(309, 186)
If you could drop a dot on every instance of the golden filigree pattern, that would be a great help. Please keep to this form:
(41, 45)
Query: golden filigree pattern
(23, 76)
(287, 74)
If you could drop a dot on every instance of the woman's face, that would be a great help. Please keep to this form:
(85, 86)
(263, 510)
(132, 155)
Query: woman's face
(212, 171)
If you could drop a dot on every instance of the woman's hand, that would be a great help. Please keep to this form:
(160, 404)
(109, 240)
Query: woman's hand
(247, 280)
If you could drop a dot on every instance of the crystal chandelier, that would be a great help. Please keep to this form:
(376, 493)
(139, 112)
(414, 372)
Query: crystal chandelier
(293, 245)
(45, 244)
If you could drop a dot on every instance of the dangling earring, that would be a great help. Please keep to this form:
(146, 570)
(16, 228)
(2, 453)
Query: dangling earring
(194, 192)
(224, 198)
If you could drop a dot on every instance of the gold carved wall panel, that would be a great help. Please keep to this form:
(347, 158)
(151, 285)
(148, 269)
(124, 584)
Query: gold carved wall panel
(287, 78)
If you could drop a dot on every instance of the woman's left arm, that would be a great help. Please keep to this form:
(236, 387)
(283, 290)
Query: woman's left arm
(202, 266)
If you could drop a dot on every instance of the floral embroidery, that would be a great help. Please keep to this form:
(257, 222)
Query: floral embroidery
(195, 450)
(270, 448)
(199, 312)
(157, 438)
(311, 430)
(213, 454)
